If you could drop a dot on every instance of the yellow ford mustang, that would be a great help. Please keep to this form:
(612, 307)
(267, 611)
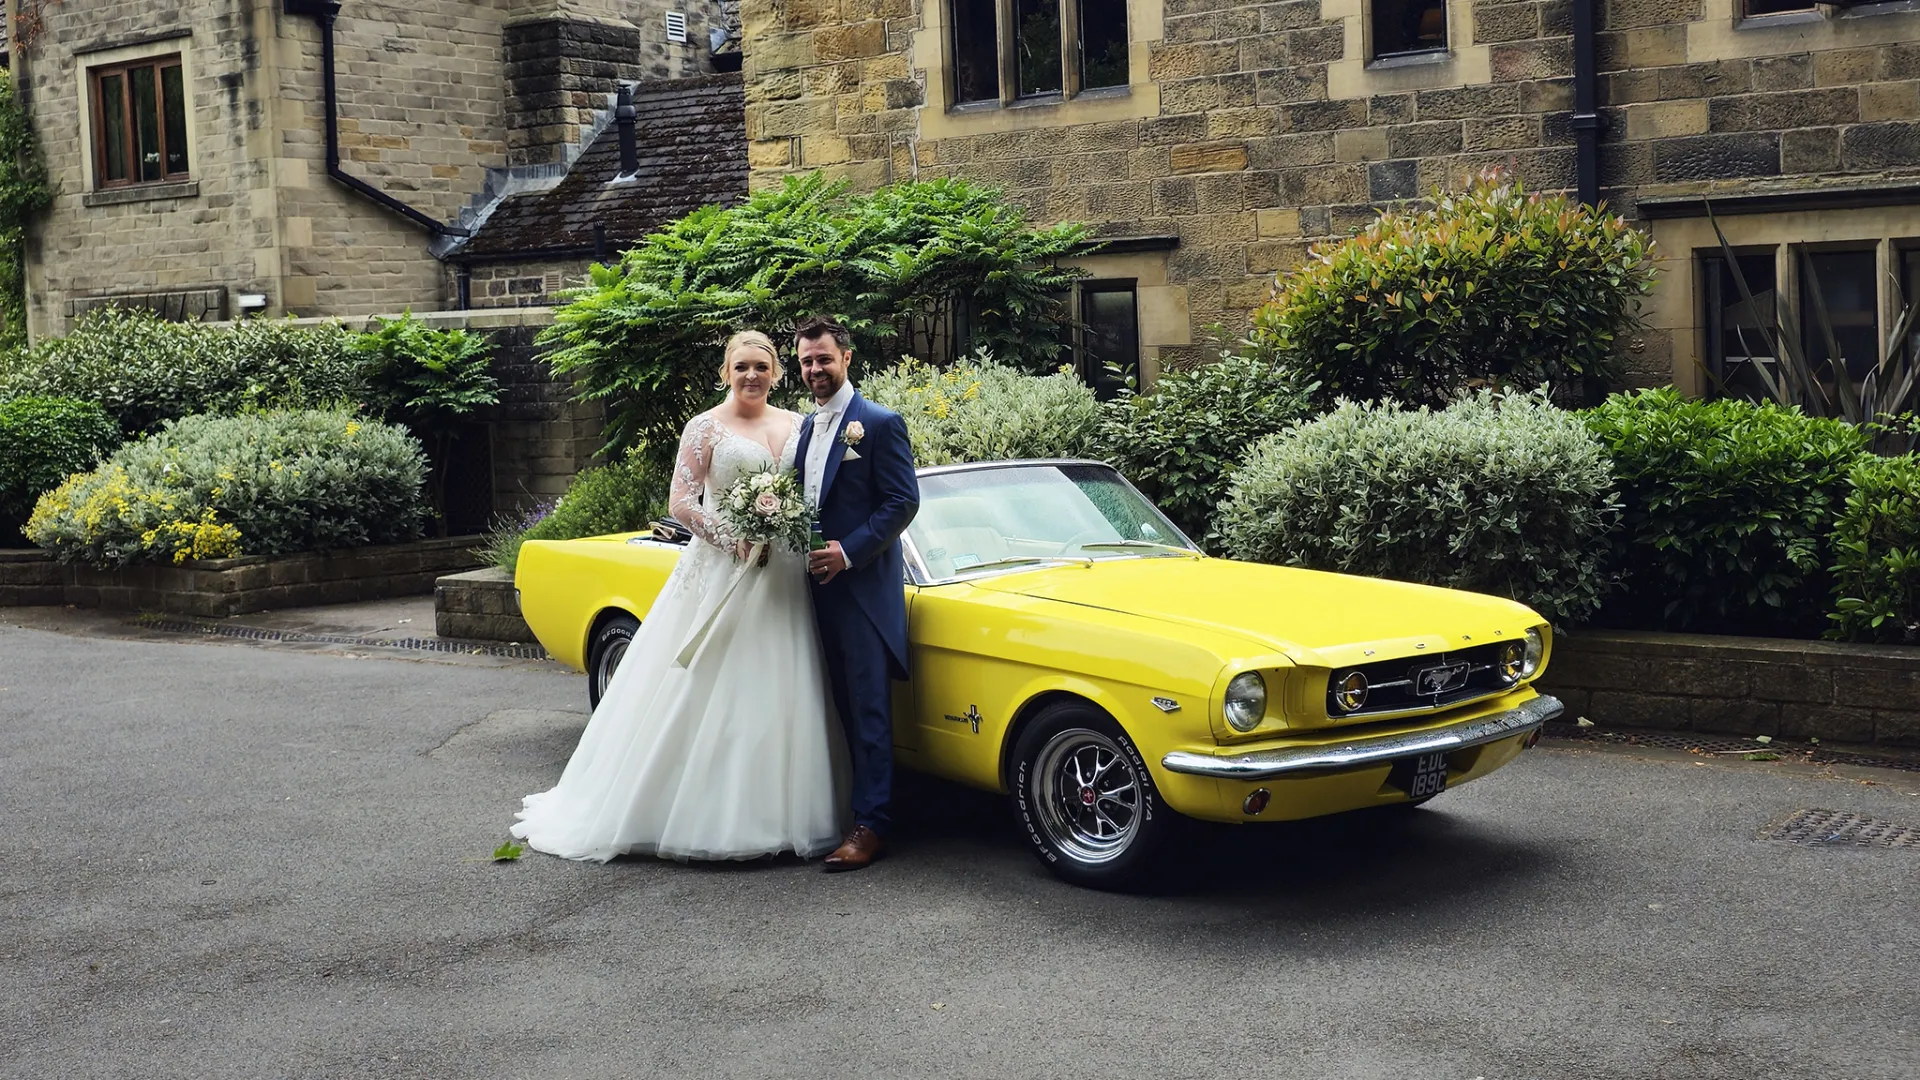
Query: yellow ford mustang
(1072, 649)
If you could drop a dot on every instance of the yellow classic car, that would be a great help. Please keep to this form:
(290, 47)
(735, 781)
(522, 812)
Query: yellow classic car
(1072, 649)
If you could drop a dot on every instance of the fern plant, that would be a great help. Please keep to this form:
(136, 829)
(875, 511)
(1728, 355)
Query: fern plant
(916, 268)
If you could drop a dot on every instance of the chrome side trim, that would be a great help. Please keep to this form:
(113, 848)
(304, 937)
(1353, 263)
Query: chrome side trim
(1266, 764)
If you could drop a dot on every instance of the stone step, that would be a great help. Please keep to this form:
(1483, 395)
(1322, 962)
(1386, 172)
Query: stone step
(479, 605)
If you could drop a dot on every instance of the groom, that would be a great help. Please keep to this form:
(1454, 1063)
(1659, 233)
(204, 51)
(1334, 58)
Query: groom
(857, 466)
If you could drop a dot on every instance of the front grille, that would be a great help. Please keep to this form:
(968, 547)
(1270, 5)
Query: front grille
(1403, 683)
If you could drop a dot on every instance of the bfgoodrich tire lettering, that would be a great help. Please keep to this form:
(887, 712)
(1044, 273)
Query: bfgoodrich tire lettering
(1085, 799)
(605, 650)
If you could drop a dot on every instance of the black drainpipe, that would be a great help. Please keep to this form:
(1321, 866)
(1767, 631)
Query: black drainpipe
(623, 115)
(324, 12)
(1586, 114)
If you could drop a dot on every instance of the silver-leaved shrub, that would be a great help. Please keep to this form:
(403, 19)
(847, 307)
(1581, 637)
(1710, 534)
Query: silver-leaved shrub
(982, 410)
(1503, 495)
(256, 484)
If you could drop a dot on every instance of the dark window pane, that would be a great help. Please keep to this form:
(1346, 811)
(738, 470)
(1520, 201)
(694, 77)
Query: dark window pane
(1103, 43)
(1843, 280)
(1776, 7)
(1405, 26)
(1739, 345)
(1110, 337)
(1910, 296)
(1037, 40)
(113, 128)
(976, 56)
(146, 123)
(176, 110)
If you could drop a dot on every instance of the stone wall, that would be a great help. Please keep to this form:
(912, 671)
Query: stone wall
(1252, 129)
(1740, 686)
(220, 588)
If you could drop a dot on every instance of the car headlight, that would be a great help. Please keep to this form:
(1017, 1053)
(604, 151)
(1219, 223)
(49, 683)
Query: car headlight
(1536, 649)
(1512, 664)
(1350, 691)
(1246, 701)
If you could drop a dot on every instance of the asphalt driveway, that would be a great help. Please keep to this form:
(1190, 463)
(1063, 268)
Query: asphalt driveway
(231, 860)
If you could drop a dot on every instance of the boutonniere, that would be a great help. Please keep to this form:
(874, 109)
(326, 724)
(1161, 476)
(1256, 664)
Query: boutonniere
(852, 433)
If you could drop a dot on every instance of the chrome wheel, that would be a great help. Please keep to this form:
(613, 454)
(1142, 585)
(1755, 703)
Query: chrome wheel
(1087, 796)
(610, 658)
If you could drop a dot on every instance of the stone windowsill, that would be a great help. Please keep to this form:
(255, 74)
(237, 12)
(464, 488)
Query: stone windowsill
(177, 189)
(1411, 59)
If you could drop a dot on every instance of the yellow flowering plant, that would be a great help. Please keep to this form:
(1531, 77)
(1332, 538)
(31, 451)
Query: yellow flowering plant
(978, 409)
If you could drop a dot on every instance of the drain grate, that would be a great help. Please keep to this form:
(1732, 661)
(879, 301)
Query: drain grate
(1722, 744)
(255, 633)
(1838, 827)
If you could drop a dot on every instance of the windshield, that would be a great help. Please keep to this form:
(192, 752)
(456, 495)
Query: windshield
(1035, 515)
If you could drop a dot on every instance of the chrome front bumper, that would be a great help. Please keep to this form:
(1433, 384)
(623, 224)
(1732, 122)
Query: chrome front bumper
(1266, 764)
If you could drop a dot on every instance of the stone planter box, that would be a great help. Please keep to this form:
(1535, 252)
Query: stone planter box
(218, 588)
(1740, 686)
(479, 605)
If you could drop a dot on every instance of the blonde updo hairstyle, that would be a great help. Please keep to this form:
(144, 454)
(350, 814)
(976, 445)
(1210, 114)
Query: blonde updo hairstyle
(749, 339)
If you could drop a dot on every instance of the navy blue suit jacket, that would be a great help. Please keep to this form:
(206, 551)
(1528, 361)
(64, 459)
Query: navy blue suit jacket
(866, 502)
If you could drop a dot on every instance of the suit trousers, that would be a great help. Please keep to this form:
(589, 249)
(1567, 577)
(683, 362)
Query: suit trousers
(857, 671)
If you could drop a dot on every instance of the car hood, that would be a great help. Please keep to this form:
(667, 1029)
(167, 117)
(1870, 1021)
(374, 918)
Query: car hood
(1314, 618)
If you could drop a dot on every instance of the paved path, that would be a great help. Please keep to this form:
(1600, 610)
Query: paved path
(233, 860)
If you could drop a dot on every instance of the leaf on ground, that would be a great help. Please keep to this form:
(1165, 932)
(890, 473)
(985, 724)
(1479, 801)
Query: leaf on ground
(1763, 739)
(1763, 755)
(508, 852)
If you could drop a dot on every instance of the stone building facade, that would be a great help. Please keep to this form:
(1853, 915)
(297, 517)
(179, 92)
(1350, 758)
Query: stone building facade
(1221, 138)
(188, 140)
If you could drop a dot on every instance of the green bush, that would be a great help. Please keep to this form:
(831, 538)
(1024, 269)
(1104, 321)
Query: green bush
(42, 442)
(1728, 507)
(431, 381)
(618, 498)
(259, 484)
(901, 267)
(1509, 496)
(983, 410)
(1876, 544)
(1181, 443)
(144, 371)
(1489, 286)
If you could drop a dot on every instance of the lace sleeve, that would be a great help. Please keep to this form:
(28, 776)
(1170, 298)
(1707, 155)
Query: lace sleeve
(690, 480)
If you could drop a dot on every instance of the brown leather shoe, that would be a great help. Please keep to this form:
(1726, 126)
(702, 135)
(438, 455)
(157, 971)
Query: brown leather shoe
(861, 847)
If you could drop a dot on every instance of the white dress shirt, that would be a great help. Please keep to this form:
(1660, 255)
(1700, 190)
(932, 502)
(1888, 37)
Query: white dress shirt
(826, 432)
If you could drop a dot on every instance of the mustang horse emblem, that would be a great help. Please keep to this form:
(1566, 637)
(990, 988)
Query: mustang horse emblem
(1438, 680)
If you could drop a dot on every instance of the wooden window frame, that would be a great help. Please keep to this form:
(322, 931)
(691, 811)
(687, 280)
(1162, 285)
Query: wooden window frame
(95, 100)
(1006, 43)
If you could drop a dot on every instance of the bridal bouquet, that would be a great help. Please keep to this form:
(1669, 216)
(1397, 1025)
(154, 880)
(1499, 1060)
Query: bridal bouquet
(769, 507)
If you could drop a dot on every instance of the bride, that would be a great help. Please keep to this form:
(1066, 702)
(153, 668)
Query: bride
(734, 755)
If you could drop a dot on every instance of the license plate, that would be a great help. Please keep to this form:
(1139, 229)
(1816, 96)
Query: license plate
(1421, 777)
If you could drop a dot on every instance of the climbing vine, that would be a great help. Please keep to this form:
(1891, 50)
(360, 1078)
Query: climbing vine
(23, 194)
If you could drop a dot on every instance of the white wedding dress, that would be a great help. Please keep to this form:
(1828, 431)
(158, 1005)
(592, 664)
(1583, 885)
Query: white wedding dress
(735, 755)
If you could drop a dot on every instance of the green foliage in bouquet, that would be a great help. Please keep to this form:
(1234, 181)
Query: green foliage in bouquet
(903, 267)
(1502, 495)
(1490, 286)
(219, 486)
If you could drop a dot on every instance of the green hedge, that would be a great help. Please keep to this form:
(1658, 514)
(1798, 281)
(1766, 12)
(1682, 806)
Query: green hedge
(982, 410)
(1505, 496)
(1876, 545)
(42, 442)
(1181, 443)
(618, 498)
(1728, 507)
(1492, 285)
(144, 371)
(258, 484)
